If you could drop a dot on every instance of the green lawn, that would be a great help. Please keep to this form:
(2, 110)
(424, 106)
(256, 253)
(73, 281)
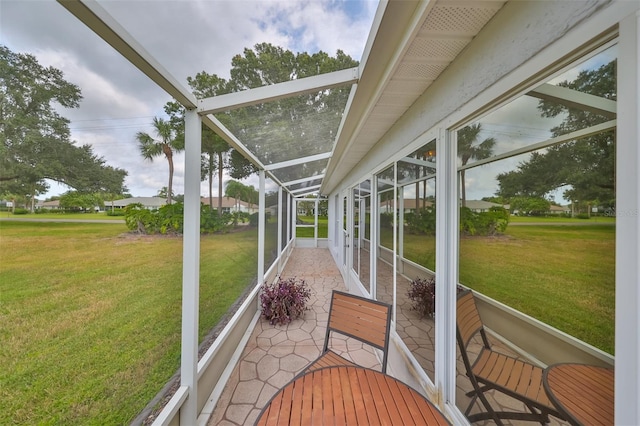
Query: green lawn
(91, 318)
(83, 216)
(553, 219)
(561, 275)
(323, 227)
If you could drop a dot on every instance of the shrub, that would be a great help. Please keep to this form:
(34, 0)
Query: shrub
(115, 212)
(140, 219)
(491, 222)
(422, 292)
(19, 210)
(171, 218)
(253, 219)
(386, 220)
(422, 221)
(211, 222)
(284, 301)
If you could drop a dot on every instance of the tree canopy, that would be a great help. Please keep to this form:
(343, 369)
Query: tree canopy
(585, 166)
(281, 124)
(35, 139)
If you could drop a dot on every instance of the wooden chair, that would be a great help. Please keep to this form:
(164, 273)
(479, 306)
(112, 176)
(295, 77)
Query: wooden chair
(492, 370)
(363, 319)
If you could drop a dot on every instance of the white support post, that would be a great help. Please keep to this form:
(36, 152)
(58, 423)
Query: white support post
(261, 226)
(395, 242)
(374, 237)
(191, 267)
(401, 222)
(627, 342)
(446, 265)
(289, 200)
(293, 206)
(315, 223)
(280, 214)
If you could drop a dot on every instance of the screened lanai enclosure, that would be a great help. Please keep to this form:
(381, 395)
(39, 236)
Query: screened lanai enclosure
(435, 157)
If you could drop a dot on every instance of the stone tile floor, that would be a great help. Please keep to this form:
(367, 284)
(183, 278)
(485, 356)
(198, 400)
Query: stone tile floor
(275, 354)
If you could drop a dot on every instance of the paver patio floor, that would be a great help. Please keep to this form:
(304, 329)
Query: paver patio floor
(275, 354)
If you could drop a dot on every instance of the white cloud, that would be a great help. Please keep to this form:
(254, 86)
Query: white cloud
(186, 37)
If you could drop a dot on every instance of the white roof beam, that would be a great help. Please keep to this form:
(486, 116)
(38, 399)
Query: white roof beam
(214, 124)
(303, 180)
(418, 162)
(297, 161)
(277, 91)
(104, 25)
(308, 189)
(302, 197)
(575, 99)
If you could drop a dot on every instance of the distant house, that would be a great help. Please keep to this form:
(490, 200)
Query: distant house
(230, 204)
(48, 205)
(411, 204)
(559, 209)
(148, 202)
(480, 206)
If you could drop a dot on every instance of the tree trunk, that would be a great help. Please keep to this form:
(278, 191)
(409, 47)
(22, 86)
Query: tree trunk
(169, 154)
(210, 182)
(220, 170)
(463, 189)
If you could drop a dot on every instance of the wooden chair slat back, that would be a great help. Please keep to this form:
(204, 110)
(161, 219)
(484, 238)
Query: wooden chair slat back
(467, 317)
(364, 319)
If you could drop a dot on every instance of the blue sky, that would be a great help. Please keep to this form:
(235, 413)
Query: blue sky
(186, 37)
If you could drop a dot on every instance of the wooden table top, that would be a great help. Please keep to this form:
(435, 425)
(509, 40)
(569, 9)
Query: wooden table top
(583, 393)
(349, 395)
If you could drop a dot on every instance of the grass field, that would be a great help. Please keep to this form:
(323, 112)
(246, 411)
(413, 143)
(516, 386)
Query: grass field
(82, 216)
(91, 318)
(561, 275)
(323, 227)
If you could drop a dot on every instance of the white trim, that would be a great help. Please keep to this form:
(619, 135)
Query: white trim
(261, 225)
(446, 265)
(303, 180)
(191, 268)
(277, 91)
(104, 25)
(280, 214)
(627, 342)
(574, 99)
(308, 189)
(297, 161)
(173, 406)
(578, 134)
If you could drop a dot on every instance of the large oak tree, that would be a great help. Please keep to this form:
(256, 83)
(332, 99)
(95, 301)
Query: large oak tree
(35, 142)
(585, 166)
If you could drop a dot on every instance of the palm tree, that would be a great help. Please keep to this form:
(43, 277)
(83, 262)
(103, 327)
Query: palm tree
(469, 149)
(167, 143)
(236, 190)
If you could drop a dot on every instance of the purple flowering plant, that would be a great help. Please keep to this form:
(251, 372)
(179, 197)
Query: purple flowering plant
(284, 300)
(422, 292)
